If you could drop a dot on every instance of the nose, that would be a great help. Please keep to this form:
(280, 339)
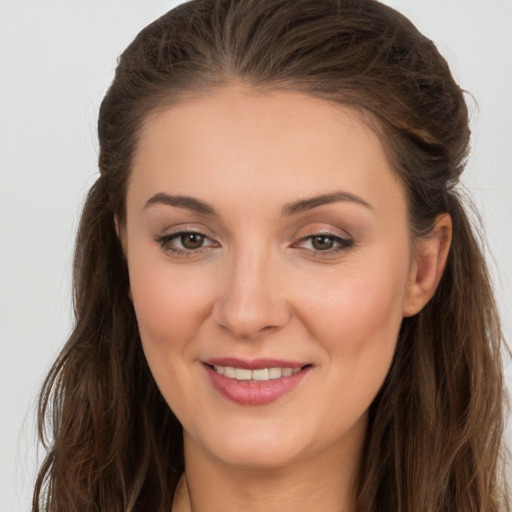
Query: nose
(252, 299)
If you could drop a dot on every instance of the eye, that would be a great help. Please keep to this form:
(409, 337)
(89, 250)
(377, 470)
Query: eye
(192, 241)
(325, 243)
(185, 243)
(322, 242)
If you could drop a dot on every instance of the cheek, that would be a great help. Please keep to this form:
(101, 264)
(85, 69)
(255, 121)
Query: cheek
(355, 315)
(168, 305)
(361, 301)
(355, 319)
(170, 310)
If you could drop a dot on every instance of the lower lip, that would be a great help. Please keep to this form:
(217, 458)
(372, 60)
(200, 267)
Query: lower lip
(251, 392)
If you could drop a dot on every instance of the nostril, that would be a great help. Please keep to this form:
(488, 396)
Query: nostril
(249, 315)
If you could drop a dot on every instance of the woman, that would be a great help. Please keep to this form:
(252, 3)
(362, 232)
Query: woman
(279, 299)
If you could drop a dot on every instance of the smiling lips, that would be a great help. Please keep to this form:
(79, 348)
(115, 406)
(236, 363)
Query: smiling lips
(260, 375)
(254, 382)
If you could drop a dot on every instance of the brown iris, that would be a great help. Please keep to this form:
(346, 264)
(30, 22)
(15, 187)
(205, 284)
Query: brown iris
(322, 242)
(192, 240)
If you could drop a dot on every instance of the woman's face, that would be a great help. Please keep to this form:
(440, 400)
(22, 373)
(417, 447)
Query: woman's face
(267, 235)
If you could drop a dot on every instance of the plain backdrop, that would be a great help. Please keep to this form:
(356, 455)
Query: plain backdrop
(56, 61)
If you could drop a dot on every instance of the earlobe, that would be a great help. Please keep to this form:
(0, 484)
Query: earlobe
(429, 260)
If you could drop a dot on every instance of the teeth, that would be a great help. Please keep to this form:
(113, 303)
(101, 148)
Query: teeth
(275, 373)
(229, 372)
(262, 374)
(243, 374)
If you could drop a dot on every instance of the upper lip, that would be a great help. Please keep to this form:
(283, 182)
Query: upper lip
(253, 364)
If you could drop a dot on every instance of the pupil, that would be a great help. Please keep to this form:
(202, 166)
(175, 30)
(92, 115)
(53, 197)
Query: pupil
(192, 240)
(322, 243)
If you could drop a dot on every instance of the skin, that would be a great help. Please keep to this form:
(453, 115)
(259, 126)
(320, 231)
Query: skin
(259, 287)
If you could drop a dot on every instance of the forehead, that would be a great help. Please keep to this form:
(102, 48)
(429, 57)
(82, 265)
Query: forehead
(271, 145)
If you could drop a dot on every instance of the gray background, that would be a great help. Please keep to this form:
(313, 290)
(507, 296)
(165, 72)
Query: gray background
(56, 61)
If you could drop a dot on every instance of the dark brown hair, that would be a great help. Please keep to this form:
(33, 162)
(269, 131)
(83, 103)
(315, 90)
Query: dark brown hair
(435, 429)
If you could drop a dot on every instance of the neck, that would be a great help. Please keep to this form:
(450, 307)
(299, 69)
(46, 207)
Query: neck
(325, 483)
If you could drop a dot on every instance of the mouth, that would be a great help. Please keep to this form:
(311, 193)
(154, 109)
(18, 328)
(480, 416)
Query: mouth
(259, 375)
(256, 382)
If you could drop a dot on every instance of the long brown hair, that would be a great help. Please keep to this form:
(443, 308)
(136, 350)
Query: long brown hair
(434, 436)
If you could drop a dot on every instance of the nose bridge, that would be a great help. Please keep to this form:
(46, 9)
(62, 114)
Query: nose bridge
(250, 302)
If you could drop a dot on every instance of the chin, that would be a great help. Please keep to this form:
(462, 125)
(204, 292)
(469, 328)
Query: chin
(256, 448)
(263, 457)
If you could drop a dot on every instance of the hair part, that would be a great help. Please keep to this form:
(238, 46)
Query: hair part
(435, 430)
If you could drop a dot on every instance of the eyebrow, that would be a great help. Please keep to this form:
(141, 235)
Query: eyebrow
(186, 202)
(196, 205)
(313, 202)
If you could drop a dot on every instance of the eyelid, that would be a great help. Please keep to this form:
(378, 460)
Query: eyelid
(186, 228)
(322, 230)
(336, 237)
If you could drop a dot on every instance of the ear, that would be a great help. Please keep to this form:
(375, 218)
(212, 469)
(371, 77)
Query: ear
(429, 260)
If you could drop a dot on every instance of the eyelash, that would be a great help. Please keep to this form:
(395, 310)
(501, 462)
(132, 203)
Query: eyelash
(165, 243)
(343, 244)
